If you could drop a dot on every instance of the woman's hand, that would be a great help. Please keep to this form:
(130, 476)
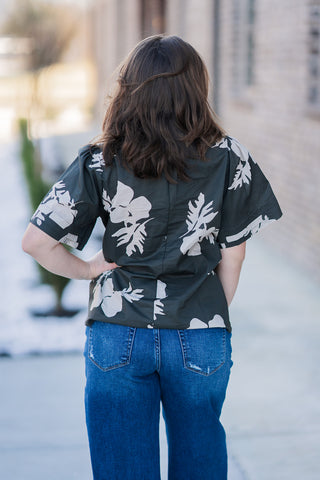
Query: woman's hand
(98, 265)
(57, 259)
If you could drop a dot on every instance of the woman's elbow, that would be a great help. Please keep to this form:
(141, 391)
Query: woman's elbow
(28, 244)
(35, 240)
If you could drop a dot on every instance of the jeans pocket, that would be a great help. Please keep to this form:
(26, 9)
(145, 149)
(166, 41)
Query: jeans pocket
(204, 351)
(110, 345)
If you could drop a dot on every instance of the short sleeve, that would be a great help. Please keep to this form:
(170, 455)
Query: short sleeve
(70, 209)
(249, 203)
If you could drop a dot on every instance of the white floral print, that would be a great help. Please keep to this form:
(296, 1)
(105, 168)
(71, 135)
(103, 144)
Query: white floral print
(243, 171)
(70, 240)
(233, 144)
(124, 208)
(199, 215)
(216, 322)
(109, 299)
(58, 206)
(242, 175)
(160, 295)
(106, 201)
(97, 162)
(250, 229)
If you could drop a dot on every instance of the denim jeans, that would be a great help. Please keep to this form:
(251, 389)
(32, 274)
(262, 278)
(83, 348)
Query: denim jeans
(129, 372)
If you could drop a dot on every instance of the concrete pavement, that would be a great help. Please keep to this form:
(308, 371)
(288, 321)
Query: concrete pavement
(272, 410)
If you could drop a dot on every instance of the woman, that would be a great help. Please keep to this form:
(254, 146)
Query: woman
(178, 199)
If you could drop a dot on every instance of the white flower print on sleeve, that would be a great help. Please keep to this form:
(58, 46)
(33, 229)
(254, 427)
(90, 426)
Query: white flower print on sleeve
(251, 229)
(242, 175)
(243, 170)
(109, 299)
(233, 144)
(58, 206)
(97, 162)
(124, 208)
(106, 201)
(199, 215)
(160, 295)
(70, 239)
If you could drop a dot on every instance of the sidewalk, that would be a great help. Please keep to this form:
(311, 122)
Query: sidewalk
(272, 410)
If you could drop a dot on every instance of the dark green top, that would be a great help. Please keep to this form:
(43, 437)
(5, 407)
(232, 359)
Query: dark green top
(166, 237)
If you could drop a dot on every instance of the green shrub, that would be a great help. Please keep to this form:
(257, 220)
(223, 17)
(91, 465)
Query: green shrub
(37, 188)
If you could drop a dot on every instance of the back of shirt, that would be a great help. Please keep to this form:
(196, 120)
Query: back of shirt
(166, 237)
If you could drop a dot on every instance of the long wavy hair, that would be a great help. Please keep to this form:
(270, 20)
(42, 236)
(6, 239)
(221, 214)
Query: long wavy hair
(159, 114)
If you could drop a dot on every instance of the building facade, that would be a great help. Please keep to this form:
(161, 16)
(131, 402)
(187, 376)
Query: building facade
(263, 58)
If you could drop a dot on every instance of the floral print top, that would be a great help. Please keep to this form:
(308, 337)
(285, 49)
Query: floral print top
(166, 237)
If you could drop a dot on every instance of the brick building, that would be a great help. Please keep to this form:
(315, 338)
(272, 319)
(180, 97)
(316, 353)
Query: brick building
(263, 57)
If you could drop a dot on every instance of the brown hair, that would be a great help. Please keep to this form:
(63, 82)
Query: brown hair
(160, 115)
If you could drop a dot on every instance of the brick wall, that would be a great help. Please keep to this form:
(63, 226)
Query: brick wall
(273, 120)
(115, 31)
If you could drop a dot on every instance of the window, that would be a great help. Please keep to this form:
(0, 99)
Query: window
(314, 55)
(152, 17)
(243, 46)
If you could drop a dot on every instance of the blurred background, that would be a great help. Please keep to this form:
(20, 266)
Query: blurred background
(57, 59)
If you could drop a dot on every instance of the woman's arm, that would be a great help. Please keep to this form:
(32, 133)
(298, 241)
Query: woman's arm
(54, 257)
(228, 270)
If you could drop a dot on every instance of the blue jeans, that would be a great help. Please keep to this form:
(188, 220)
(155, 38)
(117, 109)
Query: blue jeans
(129, 372)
